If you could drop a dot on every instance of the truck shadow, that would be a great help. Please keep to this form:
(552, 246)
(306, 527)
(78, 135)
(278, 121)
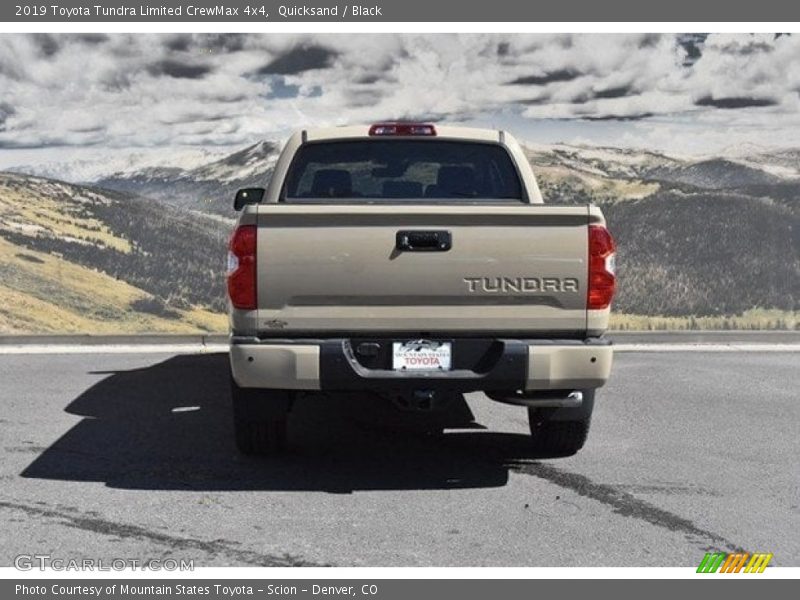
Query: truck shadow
(168, 426)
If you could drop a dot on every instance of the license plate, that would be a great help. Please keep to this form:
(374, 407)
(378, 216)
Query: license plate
(421, 355)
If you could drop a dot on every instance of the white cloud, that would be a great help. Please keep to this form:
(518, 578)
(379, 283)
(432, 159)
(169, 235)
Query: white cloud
(175, 90)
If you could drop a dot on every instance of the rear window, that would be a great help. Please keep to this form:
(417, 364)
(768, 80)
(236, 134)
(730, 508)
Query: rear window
(402, 170)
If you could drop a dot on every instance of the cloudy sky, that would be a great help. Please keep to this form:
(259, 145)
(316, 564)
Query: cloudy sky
(689, 94)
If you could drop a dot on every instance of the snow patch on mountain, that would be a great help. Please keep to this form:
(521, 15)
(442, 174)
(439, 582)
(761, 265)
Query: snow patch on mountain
(88, 165)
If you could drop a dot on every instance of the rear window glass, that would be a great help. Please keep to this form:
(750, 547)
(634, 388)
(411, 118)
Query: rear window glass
(402, 170)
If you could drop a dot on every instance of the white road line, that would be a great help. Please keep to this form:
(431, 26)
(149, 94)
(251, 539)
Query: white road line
(218, 348)
(707, 347)
(114, 349)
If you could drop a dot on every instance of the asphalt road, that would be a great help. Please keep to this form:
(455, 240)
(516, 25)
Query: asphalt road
(131, 456)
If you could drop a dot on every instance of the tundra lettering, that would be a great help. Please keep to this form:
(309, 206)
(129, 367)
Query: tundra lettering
(412, 263)
(521, 284)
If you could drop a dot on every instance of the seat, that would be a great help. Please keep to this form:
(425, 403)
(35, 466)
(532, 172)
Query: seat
(453, 182)
(402, 189)
(331, 183)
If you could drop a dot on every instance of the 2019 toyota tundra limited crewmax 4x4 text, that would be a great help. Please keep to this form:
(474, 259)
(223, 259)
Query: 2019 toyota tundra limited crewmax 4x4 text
(415, 262)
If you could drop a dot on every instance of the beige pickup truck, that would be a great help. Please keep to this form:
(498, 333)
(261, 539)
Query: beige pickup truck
(412, 262)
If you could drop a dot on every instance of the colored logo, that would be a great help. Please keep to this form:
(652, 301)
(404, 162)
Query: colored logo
(734, 562)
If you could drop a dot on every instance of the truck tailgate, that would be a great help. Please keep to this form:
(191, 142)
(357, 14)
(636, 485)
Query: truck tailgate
(326, 269)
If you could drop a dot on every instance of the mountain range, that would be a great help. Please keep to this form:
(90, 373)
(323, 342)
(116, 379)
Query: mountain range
(81, 259)
(697, 236)
(597, 168)
(208, 187)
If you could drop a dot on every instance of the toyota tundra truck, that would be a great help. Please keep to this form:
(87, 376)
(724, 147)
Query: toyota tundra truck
(414, 262)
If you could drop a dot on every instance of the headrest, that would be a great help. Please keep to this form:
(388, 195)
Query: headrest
(331, 183)
(458, 181)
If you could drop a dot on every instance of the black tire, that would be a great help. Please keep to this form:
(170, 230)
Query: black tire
(260, 420)
(561, 431)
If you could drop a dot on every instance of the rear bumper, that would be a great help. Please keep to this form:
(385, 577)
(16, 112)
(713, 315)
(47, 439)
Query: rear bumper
(499, 364)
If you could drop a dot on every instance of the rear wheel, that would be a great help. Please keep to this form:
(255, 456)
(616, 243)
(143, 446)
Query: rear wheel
(260, 419)
(561, 431)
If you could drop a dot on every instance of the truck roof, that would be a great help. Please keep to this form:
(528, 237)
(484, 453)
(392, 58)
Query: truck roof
(442, 131)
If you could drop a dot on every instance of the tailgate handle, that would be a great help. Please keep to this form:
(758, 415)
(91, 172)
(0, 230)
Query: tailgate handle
(424, 241)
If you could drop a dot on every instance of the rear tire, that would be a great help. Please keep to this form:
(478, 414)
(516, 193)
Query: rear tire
(561, 431)
(260, 420)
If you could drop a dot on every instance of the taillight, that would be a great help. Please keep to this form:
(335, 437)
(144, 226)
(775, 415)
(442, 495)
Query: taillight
(402, 129)
(602, 280)
(242, 267)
